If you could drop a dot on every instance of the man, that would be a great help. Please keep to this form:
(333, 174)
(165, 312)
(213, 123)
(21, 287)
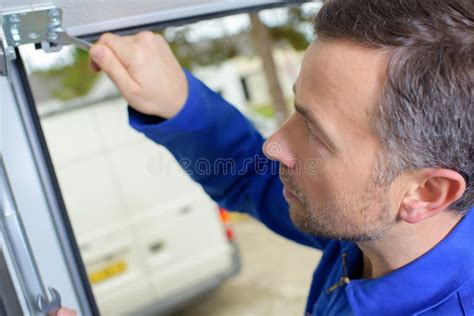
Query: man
(375, 166)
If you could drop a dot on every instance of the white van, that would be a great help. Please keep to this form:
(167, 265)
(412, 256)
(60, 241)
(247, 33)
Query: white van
(93, 216)
(150, 238)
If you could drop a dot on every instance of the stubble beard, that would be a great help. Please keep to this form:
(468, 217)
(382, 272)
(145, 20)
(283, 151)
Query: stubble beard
(365, 218)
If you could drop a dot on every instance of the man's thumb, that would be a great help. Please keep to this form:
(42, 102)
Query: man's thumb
(104, 58)
(97, 54)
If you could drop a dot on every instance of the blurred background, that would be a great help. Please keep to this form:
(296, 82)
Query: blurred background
(153, 243)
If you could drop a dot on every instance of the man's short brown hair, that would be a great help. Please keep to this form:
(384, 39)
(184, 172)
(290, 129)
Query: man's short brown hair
(425, 118)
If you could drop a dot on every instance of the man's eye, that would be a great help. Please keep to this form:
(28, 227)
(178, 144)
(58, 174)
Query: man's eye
(312, 134)
(308, 126)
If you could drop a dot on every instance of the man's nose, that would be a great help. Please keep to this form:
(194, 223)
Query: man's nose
(278, 147)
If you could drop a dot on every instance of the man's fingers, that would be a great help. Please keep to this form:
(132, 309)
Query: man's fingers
(94, 66)
(120, 45)
(103, 58)
(145, 71)
(63, 311)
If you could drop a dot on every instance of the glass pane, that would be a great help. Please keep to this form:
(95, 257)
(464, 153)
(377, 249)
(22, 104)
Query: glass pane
(150, 238)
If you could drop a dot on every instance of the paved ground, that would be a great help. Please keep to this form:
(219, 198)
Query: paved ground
(274, 280)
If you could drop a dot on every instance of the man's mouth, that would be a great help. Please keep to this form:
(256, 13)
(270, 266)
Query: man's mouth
(289, 196)
(288, 192)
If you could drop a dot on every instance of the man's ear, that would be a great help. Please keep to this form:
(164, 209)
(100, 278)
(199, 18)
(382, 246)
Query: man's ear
(432, 191)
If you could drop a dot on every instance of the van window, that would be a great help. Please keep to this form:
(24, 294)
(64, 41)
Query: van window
(146, 232)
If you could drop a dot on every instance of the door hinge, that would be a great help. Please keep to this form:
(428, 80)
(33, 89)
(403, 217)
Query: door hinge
(39, 26)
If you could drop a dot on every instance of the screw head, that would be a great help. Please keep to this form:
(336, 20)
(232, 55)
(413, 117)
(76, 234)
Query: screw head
(14, 19)
(10, 52)
(33, 35)
(15, 34)
(55, 22)
(16, 37)
(54, 13)
(52, 36)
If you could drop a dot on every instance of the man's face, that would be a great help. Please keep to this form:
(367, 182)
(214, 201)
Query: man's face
(327, 149)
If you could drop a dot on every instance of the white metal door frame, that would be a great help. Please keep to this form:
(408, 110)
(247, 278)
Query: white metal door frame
(37, 196)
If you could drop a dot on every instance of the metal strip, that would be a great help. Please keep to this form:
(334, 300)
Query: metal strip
(3, 60)
(187, 20)
(50, 186)
(18, 245)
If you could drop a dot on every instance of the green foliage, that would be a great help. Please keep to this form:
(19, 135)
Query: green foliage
(292, 32)
(207, 53)
(289, 35)
(265, 110)
(216, 51)
(75, 80)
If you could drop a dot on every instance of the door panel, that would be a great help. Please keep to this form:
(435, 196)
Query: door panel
(91, 16)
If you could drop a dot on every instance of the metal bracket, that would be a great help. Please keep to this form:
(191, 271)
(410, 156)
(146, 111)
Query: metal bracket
(31, 27)
(3, 61)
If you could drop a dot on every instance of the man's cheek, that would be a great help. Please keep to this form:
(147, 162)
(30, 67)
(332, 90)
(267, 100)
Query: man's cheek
(318, 190)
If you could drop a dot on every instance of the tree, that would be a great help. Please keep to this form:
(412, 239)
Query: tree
(263, 42)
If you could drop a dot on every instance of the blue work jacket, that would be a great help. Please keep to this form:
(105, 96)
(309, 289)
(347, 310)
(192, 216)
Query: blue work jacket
(208, 133)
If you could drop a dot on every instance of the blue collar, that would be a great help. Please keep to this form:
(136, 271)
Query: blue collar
(426, 281)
